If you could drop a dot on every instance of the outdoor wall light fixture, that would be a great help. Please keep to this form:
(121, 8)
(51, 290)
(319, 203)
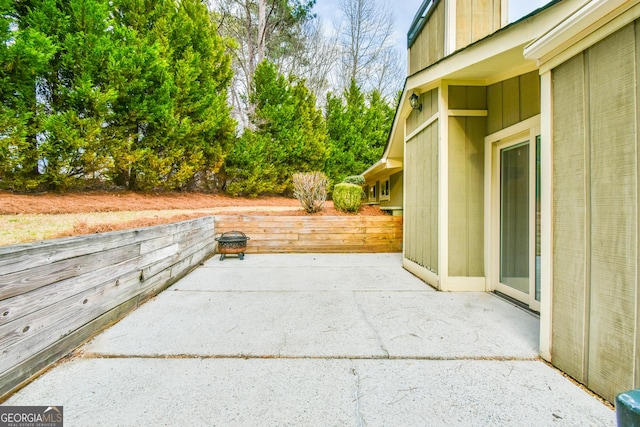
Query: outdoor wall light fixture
(413, 101)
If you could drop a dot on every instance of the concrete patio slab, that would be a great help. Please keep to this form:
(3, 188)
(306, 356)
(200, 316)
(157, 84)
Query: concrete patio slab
(308, 278)
(315, 340)
(313, 392)
(323, 324)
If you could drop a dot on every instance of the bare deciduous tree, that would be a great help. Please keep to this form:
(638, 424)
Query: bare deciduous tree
(262, 29)
(369, 55)
(316, 61)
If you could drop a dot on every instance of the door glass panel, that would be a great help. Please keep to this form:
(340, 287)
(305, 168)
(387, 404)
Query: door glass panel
(514, 217)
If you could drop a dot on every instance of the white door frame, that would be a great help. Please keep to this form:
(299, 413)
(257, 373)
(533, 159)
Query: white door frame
(524, 131)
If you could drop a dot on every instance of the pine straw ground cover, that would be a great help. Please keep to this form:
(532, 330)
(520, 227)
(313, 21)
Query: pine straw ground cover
(28, 218)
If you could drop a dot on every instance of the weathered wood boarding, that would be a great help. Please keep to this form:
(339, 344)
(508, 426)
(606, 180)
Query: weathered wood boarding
(56, 294)
(323, 234)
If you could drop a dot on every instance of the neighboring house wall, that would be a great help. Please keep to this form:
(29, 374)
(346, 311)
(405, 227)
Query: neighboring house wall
(595, 214)
(428, 47)
(421, 185)
(372, 192)
(395, 194)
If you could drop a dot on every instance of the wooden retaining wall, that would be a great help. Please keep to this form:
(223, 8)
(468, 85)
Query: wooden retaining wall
(323, 234)
(56, 294)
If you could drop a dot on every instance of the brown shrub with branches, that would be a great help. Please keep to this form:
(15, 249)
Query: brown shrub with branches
(310, 188)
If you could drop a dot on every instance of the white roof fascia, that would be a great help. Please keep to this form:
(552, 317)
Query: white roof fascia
(401, 115)
(510, 39)
(581, 29)
(375, 168)
(380, 166)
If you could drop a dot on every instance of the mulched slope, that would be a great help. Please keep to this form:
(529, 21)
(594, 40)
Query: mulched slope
(51, 203)
(48, 203)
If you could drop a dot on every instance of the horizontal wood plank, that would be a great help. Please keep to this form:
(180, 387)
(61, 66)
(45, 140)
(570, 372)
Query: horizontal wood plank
(332, 234)
(56, 294)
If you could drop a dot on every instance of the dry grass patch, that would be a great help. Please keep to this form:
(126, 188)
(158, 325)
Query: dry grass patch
(29, 218)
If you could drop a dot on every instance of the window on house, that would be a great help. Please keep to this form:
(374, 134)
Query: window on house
(372, 193)
(385, 190)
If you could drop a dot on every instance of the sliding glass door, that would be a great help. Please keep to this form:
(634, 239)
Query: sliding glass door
(517, 166)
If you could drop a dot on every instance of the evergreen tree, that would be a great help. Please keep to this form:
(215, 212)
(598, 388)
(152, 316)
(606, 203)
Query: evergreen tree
(358, 128)
(74, 146)
(171, 117)
(139, 73)
(25, 52)
(202, 73)
(289, 136)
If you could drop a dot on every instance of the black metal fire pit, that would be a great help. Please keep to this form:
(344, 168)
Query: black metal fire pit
(232, 242)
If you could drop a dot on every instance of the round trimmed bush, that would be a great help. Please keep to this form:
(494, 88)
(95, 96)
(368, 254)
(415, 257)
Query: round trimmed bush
(354, 179)
(347, 197)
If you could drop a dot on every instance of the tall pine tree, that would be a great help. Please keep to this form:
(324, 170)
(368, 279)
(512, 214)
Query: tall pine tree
(358, 127)
(201, 71)
(139, 73)
(74, 146)
(289, 136)
(25, 52)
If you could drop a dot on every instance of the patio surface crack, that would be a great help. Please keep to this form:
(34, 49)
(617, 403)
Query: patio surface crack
(373, 328)
(357, 396)
(91, 355)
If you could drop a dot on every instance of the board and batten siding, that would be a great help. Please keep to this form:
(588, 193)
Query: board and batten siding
(512, 101)
(56, 294)
(476, 19)
(428, 47)
(595, 215)
(466, 182)
(466, 196)
(429, 101)
(421, 186)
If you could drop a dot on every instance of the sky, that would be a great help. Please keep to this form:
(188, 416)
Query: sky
(405, 10)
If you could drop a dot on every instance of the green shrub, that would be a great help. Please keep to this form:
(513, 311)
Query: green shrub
(347, 197)
(354, 179)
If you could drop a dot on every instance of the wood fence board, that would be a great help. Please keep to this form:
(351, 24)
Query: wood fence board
(26, 256)
(21, 305)
(35, 332)
(45, 322)
(26, 280)
(31, 366)
(283, 234)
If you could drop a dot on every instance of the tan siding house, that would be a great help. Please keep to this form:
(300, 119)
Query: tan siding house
(518, 170)
(589, 68)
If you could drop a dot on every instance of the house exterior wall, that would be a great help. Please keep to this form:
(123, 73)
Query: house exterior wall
(512, 101)
(429, 101)
(476, 19)
(428, 47)
(372, 192)
(466, 182)
(396, 190)
(595, 214)
(395, 194)
(421, 186)
(466, 196)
